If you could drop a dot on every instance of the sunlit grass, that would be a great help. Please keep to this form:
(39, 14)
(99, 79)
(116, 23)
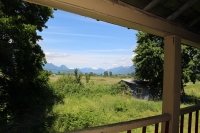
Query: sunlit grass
(99, 107)
(95, 79)
(105, 110)
(193, 89)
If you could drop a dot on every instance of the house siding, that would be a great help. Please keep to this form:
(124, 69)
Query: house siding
(146, 92)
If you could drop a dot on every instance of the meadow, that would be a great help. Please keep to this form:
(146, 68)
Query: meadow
(95, 79)
(101, 102)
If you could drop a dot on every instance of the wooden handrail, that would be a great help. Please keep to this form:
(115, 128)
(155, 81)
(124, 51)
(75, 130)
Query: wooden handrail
(189, 109)
(128, 125)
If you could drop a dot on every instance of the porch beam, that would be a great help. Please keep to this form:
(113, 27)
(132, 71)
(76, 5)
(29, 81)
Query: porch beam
(119, 13)
(172, 81)
(182, 9)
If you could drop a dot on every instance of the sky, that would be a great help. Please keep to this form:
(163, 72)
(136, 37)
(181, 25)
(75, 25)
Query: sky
(79, 42)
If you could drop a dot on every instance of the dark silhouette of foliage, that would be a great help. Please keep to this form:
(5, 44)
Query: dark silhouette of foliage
(91, 74)
(78, 76)
(110, 73)
(25, 96)
(87, 78)
(105, 73)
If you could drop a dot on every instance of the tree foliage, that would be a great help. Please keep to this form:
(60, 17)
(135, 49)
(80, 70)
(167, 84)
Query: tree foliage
(87, 77)
(149, 60)
(105, 73)
(23, 82)
(78, 76)
(110, 73)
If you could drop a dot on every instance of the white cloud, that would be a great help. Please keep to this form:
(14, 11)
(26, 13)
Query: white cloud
(84, 35)
(84, 59)
(111, 50)
(133, 55)
(56, 55)
(50, 40)
(47, 53)
(59, 27)
(114, 64)
(134, 47)
(95, 68)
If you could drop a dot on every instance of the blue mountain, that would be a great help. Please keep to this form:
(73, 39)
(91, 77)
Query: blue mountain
(63, 68)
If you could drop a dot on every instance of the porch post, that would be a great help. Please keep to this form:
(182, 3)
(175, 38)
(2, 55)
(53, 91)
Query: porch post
(172, 81)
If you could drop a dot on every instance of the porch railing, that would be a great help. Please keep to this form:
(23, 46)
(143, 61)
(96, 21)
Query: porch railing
(192, 110)
(129, 125)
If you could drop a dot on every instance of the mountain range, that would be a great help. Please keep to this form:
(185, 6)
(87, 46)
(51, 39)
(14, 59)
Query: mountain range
(63, 68)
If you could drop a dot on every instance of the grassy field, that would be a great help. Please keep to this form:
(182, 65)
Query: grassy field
(101, 102)
(193, 89)
(95, 79)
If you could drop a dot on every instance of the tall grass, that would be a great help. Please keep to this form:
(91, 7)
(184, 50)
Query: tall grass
(78, 113)
(194, 89)
(90, 104)
(96, 79)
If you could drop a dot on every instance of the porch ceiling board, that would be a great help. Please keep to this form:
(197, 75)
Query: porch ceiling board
(124, 14)
(152, 5)
(182, 9)
(196, 20)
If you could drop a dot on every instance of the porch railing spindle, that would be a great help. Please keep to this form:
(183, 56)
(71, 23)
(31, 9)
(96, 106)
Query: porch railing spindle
(144, 129)
(167, 127)
(182, 124)
(189, 122)
(197, 121)
(156, 127)
(129, 131)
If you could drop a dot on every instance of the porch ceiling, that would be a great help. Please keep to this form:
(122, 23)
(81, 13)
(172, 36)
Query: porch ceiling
(184, 13)
(159, 17)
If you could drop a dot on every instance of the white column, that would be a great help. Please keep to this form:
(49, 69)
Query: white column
(172, 81)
